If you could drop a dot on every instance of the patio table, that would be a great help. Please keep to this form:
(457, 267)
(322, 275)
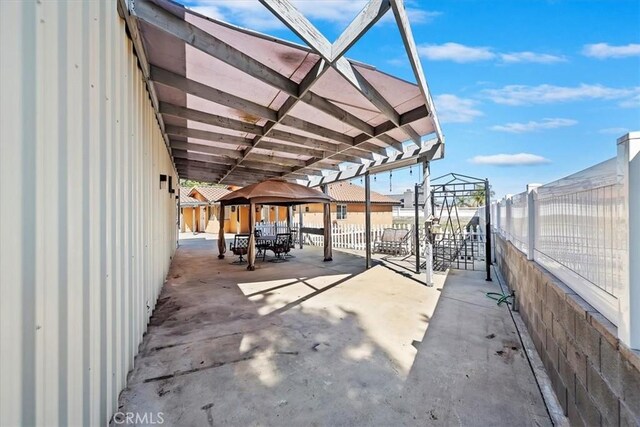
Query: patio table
(263, 243)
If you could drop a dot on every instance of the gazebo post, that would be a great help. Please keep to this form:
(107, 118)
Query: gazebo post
(222, 245)
(328, 252)
(289, 219)
(251, 250)
(367, 218)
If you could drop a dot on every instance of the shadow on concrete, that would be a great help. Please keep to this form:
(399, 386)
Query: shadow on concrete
(313, 343)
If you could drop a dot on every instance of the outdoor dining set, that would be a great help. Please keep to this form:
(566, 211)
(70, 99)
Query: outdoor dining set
(280, 244)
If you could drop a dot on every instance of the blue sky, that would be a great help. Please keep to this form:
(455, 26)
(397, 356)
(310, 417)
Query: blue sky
(527, 91)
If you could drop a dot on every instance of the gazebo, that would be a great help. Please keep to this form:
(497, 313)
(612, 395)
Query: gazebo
(276, 192)
(238, 107)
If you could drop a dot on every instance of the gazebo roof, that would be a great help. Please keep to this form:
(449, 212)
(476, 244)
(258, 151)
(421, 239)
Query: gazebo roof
(238, 107)
(275, 192)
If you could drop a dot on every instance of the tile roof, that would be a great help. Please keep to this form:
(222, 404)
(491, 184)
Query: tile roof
(212, 194)
(185, 200)
(351, 193)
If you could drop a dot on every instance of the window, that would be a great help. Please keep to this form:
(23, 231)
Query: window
(341, 211)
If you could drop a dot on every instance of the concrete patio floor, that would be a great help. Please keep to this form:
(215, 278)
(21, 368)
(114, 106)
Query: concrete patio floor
(313, 343)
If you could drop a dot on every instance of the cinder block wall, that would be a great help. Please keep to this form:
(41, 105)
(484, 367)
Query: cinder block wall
(595, 377)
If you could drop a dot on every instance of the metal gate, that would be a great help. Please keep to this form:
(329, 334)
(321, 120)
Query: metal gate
(460, 243)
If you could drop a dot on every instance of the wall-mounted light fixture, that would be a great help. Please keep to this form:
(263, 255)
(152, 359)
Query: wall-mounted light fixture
(163, 178)
(171, 189)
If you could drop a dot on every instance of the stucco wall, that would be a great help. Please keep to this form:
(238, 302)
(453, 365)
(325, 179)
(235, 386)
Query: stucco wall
(380, 214)
(86, 231)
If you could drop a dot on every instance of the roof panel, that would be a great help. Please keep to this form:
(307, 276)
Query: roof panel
(212, 72)
(277, 56)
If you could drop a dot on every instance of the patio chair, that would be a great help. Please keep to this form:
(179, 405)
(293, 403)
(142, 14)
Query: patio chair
(240, 247)
(281, 247)
(291, 244)
(262, 245)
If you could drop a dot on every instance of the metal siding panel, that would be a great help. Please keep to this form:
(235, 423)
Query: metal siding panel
(86, 248)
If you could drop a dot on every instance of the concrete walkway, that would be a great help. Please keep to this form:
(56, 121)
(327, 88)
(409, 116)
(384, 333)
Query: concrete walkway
(313, 343)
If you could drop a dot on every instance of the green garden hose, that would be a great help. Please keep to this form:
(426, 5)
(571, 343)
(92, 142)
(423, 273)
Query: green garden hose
(500, 297)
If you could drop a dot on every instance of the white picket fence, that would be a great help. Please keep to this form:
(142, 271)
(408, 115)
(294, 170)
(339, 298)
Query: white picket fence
(353, 236)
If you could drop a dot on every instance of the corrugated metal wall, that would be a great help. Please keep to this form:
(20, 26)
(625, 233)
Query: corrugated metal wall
(86, 232)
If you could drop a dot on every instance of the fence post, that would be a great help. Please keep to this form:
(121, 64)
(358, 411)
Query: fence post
(507, 225)
(532, 197)
(629, 175)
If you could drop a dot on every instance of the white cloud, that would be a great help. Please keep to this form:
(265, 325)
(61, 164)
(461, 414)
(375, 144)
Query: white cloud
(452, 109)
(614, 131)
(253, 15)
(532, 126)
(455, 52)
(522, 57)
(605, 50)
(547, 94)
(520, 159)
(460, 53)
(633, 102)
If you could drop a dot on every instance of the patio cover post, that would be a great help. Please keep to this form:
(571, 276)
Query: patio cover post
(428, 204)
(288, 219)
(222, 245)
(487, 231)
(416, 231)
(300, 226)
(251, 251)
(367, 217)
(328, 253)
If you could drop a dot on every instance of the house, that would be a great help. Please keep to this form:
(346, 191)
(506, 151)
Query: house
(191, 213)
(349, 206)
(200, 206)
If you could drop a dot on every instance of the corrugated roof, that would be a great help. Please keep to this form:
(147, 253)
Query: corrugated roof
(212, 194)
(186, 200)
(351, 193)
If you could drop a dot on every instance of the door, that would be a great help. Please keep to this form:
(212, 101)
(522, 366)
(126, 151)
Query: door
(202, 224)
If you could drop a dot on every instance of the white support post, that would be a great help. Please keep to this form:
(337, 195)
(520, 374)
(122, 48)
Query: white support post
(367, 219)
(507, 225)
(426, 189)
(532, 198)
(629, 294)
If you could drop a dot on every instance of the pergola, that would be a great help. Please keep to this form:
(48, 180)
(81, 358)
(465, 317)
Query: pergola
(238, 107)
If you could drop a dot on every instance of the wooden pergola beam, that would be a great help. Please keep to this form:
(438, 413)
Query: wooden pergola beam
(207, 149)
(304, 29)
(192, 87)
(157, 16)
(208, 136)
(402, 20)
(372, 12)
